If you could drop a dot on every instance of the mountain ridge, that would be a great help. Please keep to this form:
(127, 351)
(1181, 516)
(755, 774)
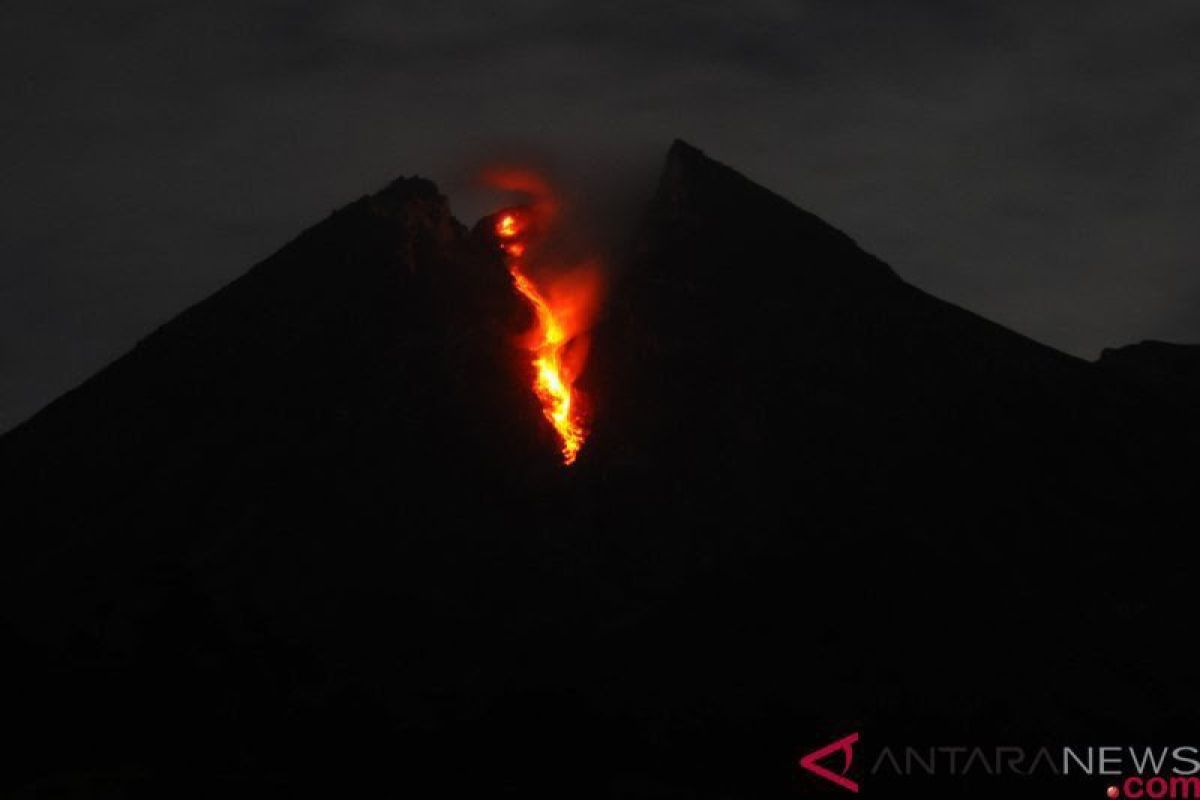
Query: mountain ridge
(326, 502)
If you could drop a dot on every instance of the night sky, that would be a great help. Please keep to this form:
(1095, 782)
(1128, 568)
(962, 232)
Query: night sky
(1035, 162)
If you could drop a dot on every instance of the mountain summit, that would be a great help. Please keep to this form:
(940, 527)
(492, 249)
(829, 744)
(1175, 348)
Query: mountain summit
(313, 534)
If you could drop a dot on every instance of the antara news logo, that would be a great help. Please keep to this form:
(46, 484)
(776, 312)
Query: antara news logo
(1137, 773)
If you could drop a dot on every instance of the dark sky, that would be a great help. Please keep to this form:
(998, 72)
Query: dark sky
(1036, 162)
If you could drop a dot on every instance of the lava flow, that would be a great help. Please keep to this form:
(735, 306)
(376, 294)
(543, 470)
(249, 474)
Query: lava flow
(557, 340)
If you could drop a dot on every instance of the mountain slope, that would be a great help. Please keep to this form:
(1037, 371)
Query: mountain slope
(313, 533)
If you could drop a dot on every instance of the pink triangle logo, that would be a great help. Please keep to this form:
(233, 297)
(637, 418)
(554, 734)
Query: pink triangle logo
(846, 748)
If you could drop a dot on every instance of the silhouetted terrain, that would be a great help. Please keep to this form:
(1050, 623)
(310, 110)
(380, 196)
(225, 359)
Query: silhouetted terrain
(313, 536)
(1172, 371)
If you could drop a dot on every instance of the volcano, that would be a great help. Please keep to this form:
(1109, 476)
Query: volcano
(314, 535)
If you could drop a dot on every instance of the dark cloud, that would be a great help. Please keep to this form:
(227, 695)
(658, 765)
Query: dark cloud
(1031, 161)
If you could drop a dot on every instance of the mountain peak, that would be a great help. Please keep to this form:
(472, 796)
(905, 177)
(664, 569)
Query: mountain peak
(682, 151)
(701, 199)
(418, 202)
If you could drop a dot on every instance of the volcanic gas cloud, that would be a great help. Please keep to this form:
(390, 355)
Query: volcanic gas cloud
(563, 297)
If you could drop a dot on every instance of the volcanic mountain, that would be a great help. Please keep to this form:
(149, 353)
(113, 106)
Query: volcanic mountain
(313, 536)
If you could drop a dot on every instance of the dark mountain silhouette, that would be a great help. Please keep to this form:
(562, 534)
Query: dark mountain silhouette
(1172, 371)
(313, 537)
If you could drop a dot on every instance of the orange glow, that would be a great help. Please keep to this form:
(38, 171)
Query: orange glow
(552, 382)
(562, 305)
(506, 228)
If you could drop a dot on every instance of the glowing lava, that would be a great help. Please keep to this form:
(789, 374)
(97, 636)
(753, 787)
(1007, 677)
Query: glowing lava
(555, 332)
